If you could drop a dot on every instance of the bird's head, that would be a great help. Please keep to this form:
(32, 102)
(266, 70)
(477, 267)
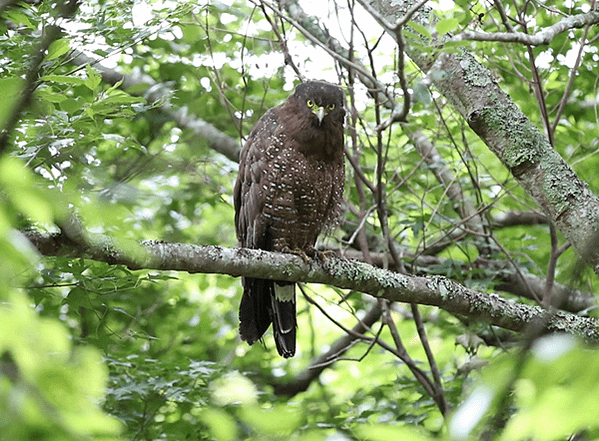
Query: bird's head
(320, 111)
(321, 99)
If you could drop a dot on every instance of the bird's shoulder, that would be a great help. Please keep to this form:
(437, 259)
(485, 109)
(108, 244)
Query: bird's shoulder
(272, 133)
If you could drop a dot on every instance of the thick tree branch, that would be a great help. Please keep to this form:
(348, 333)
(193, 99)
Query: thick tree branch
(357, 276)
(540, 38)
(500, 272)
(513, 218)
(510, 135)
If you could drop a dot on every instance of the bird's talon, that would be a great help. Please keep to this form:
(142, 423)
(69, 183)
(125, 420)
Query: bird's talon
(325, 255)
(301, 253)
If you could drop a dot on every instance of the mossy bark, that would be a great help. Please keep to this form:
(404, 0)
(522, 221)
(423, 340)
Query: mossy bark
(470, 87)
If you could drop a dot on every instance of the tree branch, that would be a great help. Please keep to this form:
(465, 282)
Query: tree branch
(540, 38)
(514, 218)
(470, 87)
(358, 276)
(502, 273)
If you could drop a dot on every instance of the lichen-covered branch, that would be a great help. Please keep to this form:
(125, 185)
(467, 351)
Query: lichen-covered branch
(540, 38)
(510, 135)
(506, 279)
(358, 276)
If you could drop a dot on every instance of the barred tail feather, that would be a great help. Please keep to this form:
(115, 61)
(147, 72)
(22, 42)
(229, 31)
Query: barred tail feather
(265, 302)
(284, 318)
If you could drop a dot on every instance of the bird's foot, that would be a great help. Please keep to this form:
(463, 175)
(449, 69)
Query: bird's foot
(325, 255)
(304, 254)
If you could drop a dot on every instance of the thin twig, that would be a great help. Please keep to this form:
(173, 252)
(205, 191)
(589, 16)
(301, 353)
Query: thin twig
(405, 357)
(538, 89)
(282, 43)
(439, 396)
(550, 267)
(571, 80)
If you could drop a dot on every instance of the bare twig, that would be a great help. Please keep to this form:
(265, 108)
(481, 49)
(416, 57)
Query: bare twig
(549, 297)
(564, 100)
(439, 395)
(550, 267)
(282, 43)
(403, 355)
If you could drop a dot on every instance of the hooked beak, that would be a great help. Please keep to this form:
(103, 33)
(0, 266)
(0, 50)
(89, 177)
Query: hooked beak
(320, 115)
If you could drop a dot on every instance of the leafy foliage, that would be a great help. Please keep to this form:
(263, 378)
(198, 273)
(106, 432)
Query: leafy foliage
(90, 350)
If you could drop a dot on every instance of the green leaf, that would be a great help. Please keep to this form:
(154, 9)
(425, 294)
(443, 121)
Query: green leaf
(221, 424)
(63, 79)
(233, 388)
(19, 17)
(385, 432)
(276, 421)
(78, 297)
(51, 378)
(71, 105)
(11, 90)
(18, 183)
(421, 93)
(93, 78)
(419, 29)
(58, 48)
(446, 25)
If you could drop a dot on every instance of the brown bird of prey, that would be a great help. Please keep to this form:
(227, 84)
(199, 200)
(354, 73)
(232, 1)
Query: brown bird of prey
(289, 188)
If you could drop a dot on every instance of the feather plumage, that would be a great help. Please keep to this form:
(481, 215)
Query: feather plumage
(289, 188)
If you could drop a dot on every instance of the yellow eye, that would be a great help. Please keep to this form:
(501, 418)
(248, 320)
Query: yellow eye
(310, 104)
(331, 107)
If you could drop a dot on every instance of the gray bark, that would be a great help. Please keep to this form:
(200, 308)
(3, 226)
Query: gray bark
(358, 276)
(470, 87)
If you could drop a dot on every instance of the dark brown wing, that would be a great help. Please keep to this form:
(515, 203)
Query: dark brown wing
(249, 195)
(254, 191)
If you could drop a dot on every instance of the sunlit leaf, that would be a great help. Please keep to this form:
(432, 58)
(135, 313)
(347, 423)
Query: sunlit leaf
(11, 93)
(221, 425)
(93, 78)
(380, 432)
(275, 421)
(58, 48)
(446, 25)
